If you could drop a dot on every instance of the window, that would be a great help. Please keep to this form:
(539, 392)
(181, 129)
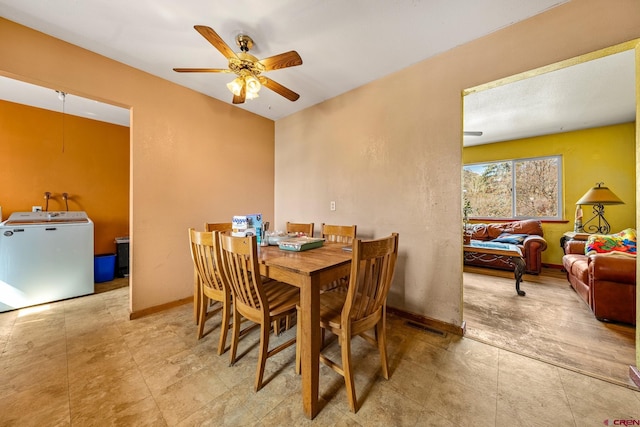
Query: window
(522, 188)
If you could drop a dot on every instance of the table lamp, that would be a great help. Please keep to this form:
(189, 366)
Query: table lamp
(598, 196)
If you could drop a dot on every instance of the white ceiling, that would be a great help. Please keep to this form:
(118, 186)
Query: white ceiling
(49, 99)
(596, 93)
(343, 45)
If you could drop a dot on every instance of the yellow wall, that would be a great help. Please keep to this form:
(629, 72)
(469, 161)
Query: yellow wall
(604, 154)
(185, 167)
(91, 164)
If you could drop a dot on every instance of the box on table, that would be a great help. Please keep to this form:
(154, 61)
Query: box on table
(247, 225)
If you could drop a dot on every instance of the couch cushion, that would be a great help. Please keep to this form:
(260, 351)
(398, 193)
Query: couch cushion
(514, 239)
(529, 226)
(495, 230)
(624, 241)
(577, 265)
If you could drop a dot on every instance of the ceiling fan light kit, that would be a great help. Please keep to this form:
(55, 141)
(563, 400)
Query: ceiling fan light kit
(247, 67)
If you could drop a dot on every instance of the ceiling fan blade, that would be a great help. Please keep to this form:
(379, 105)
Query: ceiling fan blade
(472, 133)
(283, 60)
(202, 70)
(215, 40)
(239, 99)
(279, 89)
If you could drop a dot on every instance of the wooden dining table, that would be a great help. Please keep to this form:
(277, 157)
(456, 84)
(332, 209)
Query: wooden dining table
(307, 270)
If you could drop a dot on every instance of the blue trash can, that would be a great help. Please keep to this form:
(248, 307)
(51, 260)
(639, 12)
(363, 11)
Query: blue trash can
(104, 268)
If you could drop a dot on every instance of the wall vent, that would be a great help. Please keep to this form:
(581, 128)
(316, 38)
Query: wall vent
(426, 328)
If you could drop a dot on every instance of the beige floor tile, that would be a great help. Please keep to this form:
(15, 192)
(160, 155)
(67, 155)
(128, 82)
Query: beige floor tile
(429, 418)
(141, 413)
(82, 340)
(39, 405)
(385, 407)
(530, 393)
(288, 413)
(413, 380)
(105, 396)
(420, 351)
(188, 395)
(162, 373)
(111, 358)
(157, 345)
(472, 365)
(593, 401)
(225, 411)
(42, 373)
(280, 386)
(462, 404)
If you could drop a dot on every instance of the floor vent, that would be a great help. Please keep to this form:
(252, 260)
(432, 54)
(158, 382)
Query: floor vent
(426, 328)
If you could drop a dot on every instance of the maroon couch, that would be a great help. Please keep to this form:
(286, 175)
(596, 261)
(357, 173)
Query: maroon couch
(532, 244)
(606, 282)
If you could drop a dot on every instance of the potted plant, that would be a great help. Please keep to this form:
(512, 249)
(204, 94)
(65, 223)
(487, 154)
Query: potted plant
(467, 209)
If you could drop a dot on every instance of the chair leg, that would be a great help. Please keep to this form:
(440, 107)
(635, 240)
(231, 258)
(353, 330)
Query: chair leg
(287, 322)
(203, 302)
(196, 296)
(298, 341)
(381, 336)
(235, 336)
(224, 326)
(276, 327)
(265, 330)
(348, 372)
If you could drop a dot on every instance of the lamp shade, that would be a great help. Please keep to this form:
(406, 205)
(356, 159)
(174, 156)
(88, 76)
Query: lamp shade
(599, 195)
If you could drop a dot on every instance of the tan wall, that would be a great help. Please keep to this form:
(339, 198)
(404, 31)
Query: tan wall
(90, 163)
(389, 153)
(183, 150)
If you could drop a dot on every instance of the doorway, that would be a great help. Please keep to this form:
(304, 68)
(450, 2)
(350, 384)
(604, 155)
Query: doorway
(473, 125)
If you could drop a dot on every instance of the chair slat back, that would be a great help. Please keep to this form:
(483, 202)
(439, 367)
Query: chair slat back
(339, 233)
(240, 263)
(293, 227)
(218, 226)
(204, 259)
(372, 271)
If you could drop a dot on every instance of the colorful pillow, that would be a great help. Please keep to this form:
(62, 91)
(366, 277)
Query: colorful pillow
(624, 241)
(514, 239)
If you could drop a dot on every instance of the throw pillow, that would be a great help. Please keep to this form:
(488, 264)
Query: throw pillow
(514, 239)
(624, 241)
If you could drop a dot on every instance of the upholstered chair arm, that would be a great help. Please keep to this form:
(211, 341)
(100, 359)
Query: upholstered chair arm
(533, 246)
(574, 247)
(612, 267)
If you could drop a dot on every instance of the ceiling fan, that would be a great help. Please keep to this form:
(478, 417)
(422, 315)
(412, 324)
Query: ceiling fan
(247, 67)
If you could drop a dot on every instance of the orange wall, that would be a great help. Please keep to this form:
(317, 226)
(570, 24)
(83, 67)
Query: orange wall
(185, 166)
(90, 163)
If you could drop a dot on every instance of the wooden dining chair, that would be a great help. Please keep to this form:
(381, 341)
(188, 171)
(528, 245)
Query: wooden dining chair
(208, 226)
(261, 304)
(338, 233)
(218, 226)
(361, 308)
(293, 227)
(212, 287)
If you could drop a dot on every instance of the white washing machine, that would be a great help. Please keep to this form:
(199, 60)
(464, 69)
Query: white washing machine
(45, 257)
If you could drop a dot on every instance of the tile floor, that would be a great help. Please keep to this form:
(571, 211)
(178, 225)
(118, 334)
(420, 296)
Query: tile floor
(81, 362)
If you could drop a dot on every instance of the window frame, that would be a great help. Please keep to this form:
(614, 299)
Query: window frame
(513, 163)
